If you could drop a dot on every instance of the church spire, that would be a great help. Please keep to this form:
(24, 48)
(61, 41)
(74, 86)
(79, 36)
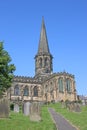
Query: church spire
(43, 59)
(43, 42)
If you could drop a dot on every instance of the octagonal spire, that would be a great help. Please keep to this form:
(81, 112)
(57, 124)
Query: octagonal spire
(43, 42)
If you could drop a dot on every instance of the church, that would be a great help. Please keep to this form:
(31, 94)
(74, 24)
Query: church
(45, 86)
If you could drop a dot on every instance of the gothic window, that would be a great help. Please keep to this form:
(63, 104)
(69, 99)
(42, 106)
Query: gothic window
(60, 84)
(47, 70)
(45, 62)
(40, 62)
(68, 85)
(16, 90)
(51, 87)
(35, 91)
(46, 89)
(26, 91)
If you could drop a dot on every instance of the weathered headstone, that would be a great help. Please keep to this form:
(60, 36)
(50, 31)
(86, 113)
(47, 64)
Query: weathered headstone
(35, 111)
(26, 108)
(77, 107)
(16, 108)
(4, 108)
(71, 106)
(63, 105)
(74, 107)
(83, 103)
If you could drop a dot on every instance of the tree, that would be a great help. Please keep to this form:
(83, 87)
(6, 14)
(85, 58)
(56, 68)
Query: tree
(6, 70)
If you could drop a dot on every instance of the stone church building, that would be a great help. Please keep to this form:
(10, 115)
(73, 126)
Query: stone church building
(45, 86)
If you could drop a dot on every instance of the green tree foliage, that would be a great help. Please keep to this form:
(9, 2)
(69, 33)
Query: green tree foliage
(6, 70)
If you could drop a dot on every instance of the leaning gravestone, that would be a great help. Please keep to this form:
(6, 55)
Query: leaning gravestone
(4, 108)
(35, 111)
(16, 108)
(26, 108)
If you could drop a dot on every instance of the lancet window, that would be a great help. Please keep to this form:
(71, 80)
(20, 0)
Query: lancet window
(35, 91)
(16, 90)
(60, 84)
(26, 91)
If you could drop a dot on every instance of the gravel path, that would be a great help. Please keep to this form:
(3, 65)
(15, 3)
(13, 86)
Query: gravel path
(60, 122)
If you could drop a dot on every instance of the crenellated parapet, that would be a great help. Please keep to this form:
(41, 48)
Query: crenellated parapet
(25, 79)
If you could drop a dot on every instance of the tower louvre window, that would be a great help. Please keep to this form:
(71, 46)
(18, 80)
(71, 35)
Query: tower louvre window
(45, 62)
(40, 62)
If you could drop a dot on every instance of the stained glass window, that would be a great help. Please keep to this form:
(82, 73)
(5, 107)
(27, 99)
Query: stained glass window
(68, 85)
(26, 91)
(16, 90)
(60, 84)
(35, 91)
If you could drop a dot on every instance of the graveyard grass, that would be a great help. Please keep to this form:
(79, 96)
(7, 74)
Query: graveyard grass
(17, 121)
(75, 118)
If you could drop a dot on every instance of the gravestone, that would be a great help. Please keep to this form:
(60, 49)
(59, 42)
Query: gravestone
(35, 111)
(83, 103)
(77, 107)
(68, 106)
(74, 107)
(4, 108)
(63, 105)
(16, 108)
(26, 108)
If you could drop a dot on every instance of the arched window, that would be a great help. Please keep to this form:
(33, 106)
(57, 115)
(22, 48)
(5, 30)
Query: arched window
(68, 85)
(35, 91)
(60, 84)
(26, 91)
(46, 88)
(51, 87)
(40, 62)
(16, 90)
(45, 62)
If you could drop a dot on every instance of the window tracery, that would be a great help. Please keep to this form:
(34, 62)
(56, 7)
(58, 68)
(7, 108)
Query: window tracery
(16, 90)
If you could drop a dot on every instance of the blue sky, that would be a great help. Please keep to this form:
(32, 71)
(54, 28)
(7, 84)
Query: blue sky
(66, 26)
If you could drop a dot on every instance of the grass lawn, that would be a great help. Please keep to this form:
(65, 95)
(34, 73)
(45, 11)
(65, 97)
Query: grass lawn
(17, 121)
(77, 119)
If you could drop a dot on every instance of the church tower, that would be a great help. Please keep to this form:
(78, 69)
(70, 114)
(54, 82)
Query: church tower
(43, 58)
